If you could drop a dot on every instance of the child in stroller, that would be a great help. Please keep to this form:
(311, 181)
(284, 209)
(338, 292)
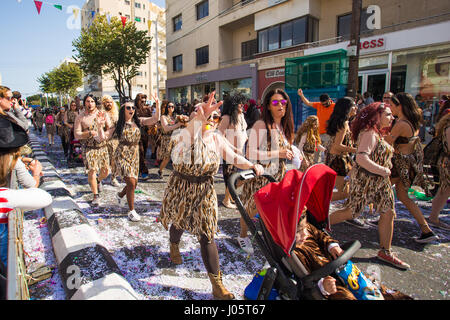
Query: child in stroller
(75, 154)
(303, 259)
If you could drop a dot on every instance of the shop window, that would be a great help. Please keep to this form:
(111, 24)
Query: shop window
(202, 9)
(178, 63)
(177, 23)
(202, 55)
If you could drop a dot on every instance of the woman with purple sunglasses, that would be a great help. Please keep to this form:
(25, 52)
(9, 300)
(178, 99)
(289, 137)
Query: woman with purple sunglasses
(269, 144)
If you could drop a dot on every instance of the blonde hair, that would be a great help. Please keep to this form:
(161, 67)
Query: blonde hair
(311, 129)
(7, 163)
(114, 112)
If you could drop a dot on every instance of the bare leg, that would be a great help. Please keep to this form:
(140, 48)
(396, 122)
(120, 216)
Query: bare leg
(402, 195)
(386, 229)
(438, 204)
(342, 188)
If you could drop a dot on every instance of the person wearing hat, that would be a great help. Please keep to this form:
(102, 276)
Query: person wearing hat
(13, 170)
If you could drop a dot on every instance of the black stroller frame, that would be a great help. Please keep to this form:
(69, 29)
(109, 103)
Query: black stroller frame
(286, 274)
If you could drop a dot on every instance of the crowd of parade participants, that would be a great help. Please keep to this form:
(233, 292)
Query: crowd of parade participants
(375, 149)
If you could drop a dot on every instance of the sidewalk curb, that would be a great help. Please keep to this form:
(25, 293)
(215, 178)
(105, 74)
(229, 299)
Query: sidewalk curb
(87, 269)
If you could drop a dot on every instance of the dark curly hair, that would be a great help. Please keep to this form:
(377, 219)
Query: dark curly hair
(287, 122)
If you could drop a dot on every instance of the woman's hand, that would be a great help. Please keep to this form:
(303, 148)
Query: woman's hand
(205, 110)
(35, 168)
(285, 154)
(259, 169)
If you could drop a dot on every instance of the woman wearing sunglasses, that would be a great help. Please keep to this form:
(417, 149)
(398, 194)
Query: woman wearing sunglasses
(233, 127)
(126, 156)
(270, 144)
(169, 123)
(190, 201)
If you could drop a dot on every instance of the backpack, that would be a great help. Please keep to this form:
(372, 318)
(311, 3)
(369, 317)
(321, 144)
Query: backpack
(49, 119)
(432, 151)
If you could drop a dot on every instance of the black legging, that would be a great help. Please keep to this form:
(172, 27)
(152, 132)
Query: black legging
(210, 255)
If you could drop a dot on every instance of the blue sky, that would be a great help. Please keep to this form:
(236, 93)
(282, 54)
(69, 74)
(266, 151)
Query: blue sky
(34, 44)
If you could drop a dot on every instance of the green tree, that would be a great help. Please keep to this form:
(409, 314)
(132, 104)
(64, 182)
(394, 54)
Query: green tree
(112, 49)
(66, 79)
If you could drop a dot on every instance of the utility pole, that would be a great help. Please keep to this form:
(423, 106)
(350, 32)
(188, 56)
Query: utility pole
(353, 50)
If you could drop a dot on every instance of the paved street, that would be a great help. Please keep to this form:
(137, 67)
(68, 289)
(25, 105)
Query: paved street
(142, 253)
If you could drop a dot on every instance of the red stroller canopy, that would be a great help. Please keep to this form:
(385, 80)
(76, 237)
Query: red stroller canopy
(280, 204)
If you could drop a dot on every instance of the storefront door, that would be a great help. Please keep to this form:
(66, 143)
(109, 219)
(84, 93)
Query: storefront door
(375, 82)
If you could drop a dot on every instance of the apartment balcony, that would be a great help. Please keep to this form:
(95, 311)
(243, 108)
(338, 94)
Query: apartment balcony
(233, 11)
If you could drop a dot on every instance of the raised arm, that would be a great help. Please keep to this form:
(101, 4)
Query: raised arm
(149, 121)
(305, 101)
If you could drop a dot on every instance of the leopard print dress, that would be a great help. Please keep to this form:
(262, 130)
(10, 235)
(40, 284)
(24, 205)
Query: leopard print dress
(192, 205)
(95, 154)
(409, 168)
(126, 155)
(367, 188)
(309, 150)
(341, 163)
(112, 145)
(444, 163)
(274, 167)
(164, 146)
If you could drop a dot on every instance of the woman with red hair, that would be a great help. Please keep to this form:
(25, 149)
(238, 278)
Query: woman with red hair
(369, 179)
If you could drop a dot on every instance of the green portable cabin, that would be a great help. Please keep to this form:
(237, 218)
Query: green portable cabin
(315, 74)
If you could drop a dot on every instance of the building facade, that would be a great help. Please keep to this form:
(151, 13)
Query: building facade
(152, 75)
(243, 46)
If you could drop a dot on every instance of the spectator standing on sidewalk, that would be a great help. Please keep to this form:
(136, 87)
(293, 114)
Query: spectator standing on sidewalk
(11, 108)
(324, 110)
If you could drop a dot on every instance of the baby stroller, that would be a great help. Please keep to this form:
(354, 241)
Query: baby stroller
(75, 154)
(274, 232)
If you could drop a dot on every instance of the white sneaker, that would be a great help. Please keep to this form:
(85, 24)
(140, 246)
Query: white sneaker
(115, 183)
(245, 244)
(96, 201)
(133, 216)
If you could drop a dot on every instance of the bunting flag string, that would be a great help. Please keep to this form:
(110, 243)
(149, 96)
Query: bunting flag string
(38, 6)
(76, 12)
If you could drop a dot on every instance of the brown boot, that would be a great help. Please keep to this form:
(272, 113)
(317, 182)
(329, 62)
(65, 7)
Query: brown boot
(175, 255)
(219, 291)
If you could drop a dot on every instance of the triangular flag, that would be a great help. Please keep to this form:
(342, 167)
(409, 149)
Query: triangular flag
(124, 20)
(93, 13)
(108, 17)
(38, 6)
(58, 6)
(75, 12)
(149, 25)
